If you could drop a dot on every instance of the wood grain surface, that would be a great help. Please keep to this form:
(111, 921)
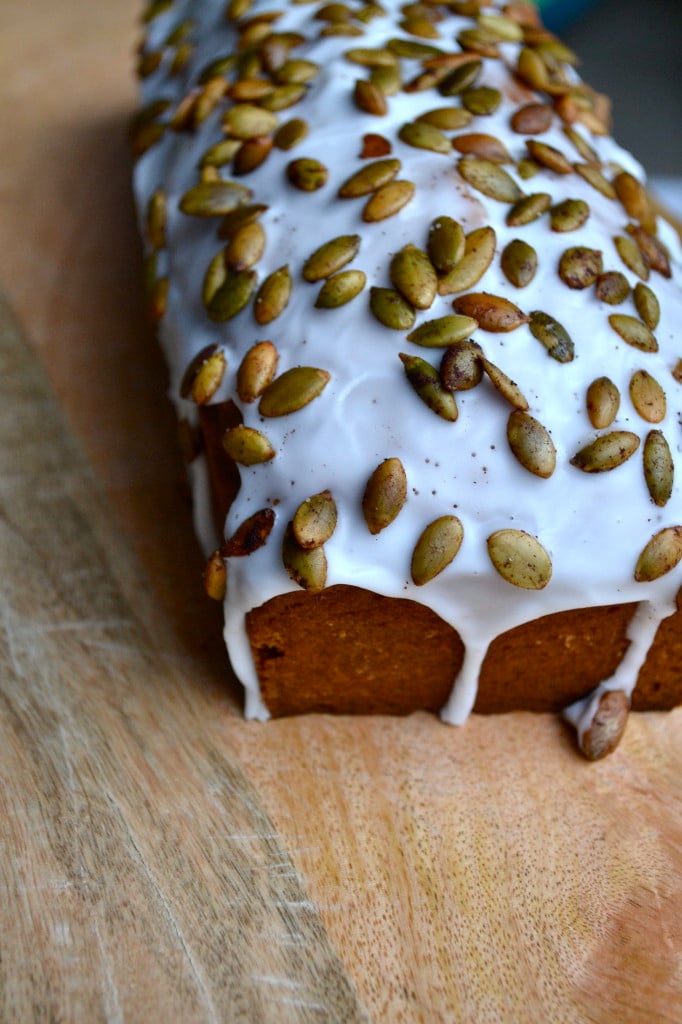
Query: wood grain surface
(162, 859)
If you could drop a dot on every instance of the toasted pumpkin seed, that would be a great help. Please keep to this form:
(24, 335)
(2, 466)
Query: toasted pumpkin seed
(387, 80)
(246, 247)
(414, 276)
(507, 387)
(371, 58)
(250, 535)
(291, 133)
(412, 50)
(330, 257)
(647, 305)
(374, 145)
(579, 267)
(281, 97)
(607, 452)
(532, 119)
(340, 288)
(503, 27)
(369, 178)
(481, 100)
(214, 198)
(659, 468)
(661, 555)
(479, 250)
(256, 370)
(607, 726)
(315, 520)
(596, 179)
(520, 559)
(251, 154)
(531, 443)
(220, 154)
(426, 382)
(273, 296)
(385, 495)
(247, 446)
(296, 70)
(247, 121)
(634, 332)
(461, 367)
(549, 156)
(292, 390)
(648, 397)
(448, 119)
(519, 262)
(569, 215)
(233, 295)
(308, 568)
(553, 336)
(424, 136)
(445, 331)
(603, 402)
(215, 577)
(581, 144)
(369, 98)
(635, 199)
(446, 244)
(436, 548)
(461, 78)
(157, 299)
(528, 208)
(612, 287)
(391, 309)
(214, 278)
(652, 248)
(232, 222)
(632, 256)
(488, 147)
(156, 219)
(204, 375)
(493, 312)
(489, 178)
(307, 174)
(388, 200)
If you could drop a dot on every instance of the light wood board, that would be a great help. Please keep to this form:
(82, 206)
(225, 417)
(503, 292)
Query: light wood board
(162, 859)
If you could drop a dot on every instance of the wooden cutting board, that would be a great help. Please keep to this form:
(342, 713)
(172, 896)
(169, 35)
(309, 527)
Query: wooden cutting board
(162, 859)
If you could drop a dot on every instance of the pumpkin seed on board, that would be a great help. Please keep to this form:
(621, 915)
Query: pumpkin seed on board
(607, 452)
(233, 295)
(436, 548)
(507, 387)
(519, 262)
(315, 520)
(292, 390)
(528, 208)
(256, 370)
(531, 443)
(489, 178)
(414, 276)
(443, 332)
(603, 402)
(214, 198)
(369, 178)
(340, 288)
(388, 200)
(520, 559)
(647, 305)
(385, 495)
(250, 535)
(612, 287)
(215, 577)
(330, 257)
(307, 567)
(426, 382)
(492, 312)
(247, 446)
(648, 397)
(479, 250)
(634, 332)
(579, 267)
(632, 256)
(661, 555)
(550, 333)
(391, 309)
(273, 296)
(461, 367)
(659, 468)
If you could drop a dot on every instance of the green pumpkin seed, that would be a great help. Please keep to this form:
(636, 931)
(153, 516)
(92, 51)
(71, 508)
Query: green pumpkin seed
(369, 178)
(507, 387)
(519, 262)
(648, 397)
(426, 382)
(273, 296)
(659, 468)
(282, 97)
(215, 577)
(414, 276)
(531, 443)
(596, 179)
(220, 154)
(371, 58)
(579, 267)
(661, 555)
(549, 156)
(412, 50)
(488, 147)
(569, 215)
(520, 559)
(607, 452)
(647, 305)
(233, 295)
(340, 288)
(652, 249)
(296, 70)
(528, 208)
(250, 535)
(385, 495)
(292, 390)
(315, 520)
(460, 78)
(448, 119)
(246, 121)
(156, 219)
(482, 100)
(308, 568)
(489, 178)
(582, 145)
(247, 446)
(527, 168)
(251, 155)
(480, 41)
(634, 332)
(631, 255)
(291, 133)
(388, 200)
(553, 336)
(492, 312)
(391, 309)
(330, 257)
(436, 548)
(424, 136)
(369, 98)
(214, 278)
(603, 402)
(635, 199)
(214, 198)
(307, 174)
(612, 287)
(256, 370)
(504, 28)
(479, 250)
(461, 367)
(204, 375)
(445, 331)
(232, 222)
(446, 244)
(246, 247)
(607, 726)
(387, 80)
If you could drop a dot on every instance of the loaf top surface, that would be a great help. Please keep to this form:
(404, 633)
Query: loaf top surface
(538, 532)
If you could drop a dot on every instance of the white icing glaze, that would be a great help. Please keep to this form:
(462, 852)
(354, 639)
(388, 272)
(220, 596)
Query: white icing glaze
(593, 526)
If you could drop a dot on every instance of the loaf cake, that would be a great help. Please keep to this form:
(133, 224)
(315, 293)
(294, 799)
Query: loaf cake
(424, 335)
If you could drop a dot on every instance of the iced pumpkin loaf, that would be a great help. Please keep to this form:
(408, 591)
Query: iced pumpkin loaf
(424, 332)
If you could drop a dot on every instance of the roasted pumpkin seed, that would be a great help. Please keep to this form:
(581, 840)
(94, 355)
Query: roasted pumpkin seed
(549, 156)
(659, 468)
(489, 178)
(388, 200)
(426, 382)
(579, 267)
(635, 199)
(519, 262)
(532, 119)
(340, 288)
(424, 136)
(553, 336)
(256, 370)
(215, 577)
(369, 178)
(632, 256)
(291, 133)
(156, 219)
(612, 287)
(414, 276)
(634, 332)
(292, 390)
(233, 295)
(214, 198)
(330, 257)
(246, 247)
(528, 208)
(448, 119)
(461, 78)
(531, 443)
(461, 367)
(596, 179)
(307, 174)
(374, 145)
(603, 402)
(481, 100)
(251, 155)
(385, 495)
(273, 296)
(247, 446)
(204, 375)
(391, 309)
(445, 331)
(661, 555)
(247, 121)
(387, 80)
(308, 568)
(479, 250)
(436, 548)
(652, 248)
(507, 387)
(492, 312)
(250, 535)
(369, 98)
(446, 244)
(647, 305)
(607, 452)
(520, 559)
(607, 726)
(648, 397)
(315, 520)
(232, 222)
(569, 215)
(488, 147)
